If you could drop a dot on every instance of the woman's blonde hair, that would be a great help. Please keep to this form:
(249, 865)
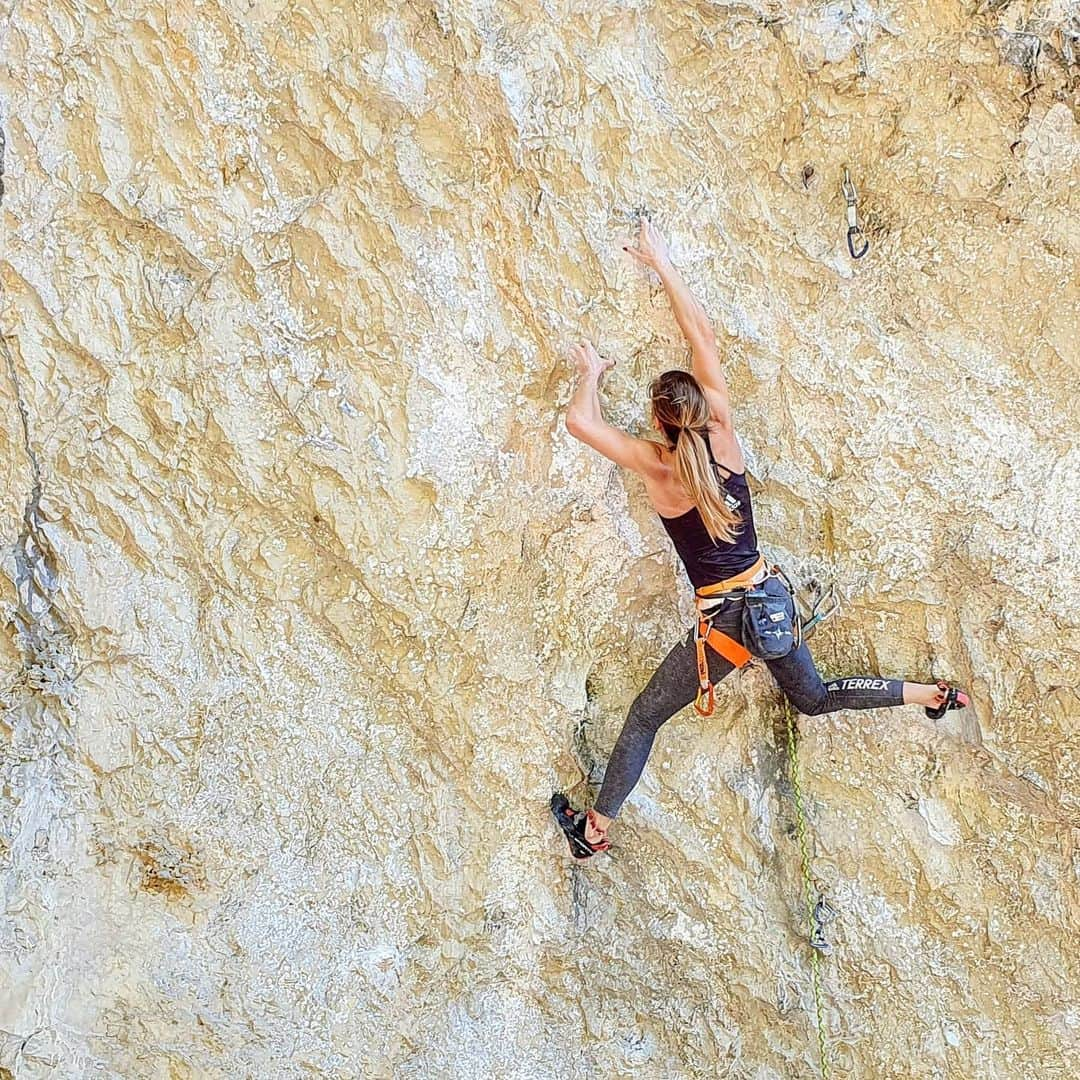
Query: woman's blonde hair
(680, 407)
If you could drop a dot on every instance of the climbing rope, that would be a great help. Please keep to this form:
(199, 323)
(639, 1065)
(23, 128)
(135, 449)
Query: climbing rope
(816, 913)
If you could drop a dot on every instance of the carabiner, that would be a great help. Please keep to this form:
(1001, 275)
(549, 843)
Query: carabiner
(854, 232)
(825, 603)
(705, 701)
(824, 913)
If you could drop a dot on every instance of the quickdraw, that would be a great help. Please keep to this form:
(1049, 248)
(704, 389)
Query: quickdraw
(727, 647)
(855, 235)
(824, 602)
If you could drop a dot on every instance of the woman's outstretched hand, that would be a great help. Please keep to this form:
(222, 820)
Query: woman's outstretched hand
(589, 361)
(652, 247)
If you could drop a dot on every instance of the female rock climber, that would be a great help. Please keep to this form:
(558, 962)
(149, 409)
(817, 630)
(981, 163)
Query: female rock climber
(696, 482)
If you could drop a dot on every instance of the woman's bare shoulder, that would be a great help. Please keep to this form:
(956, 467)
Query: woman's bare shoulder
(726, 448)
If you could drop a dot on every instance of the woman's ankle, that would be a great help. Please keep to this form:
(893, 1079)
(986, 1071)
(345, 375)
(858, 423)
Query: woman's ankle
(596, 826)
(928, 694)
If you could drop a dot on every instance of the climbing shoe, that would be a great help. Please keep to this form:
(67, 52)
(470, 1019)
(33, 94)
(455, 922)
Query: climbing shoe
(954, 699)
(572, 823)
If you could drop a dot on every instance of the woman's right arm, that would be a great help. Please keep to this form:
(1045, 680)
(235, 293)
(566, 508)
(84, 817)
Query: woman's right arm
(689, 314)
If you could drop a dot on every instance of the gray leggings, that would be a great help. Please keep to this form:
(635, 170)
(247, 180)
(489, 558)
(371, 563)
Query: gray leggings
(675, 684)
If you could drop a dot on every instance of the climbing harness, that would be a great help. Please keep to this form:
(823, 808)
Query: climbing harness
(824, 602)
(818, 912)
(857, 244)
(706, 634)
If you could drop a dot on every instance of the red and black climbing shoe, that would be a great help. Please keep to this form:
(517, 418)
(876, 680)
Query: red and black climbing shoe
(572, 822)
(954, 699)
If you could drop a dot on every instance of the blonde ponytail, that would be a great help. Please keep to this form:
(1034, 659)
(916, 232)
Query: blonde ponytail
(682, 411)
(694, 471)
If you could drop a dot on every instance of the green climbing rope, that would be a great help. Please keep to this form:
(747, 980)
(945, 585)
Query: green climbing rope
(808, 889)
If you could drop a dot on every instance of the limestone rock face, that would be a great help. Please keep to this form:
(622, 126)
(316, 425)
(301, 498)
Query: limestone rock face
(310, 600)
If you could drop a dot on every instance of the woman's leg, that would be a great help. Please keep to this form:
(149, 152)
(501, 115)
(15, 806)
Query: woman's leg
(673, 686)
(799, 679)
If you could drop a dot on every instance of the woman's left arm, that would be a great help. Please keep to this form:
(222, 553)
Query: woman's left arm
(585, 417)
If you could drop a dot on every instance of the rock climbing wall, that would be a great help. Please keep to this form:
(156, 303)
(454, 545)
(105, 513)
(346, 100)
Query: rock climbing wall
(310, 601)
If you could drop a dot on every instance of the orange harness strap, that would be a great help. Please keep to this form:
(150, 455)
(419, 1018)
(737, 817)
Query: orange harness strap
(743, 578)
(726, 646)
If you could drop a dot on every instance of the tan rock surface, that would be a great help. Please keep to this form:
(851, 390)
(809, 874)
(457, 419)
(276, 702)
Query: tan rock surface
(311, 601)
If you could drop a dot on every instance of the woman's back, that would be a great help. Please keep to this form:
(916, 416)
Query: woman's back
(708, 561)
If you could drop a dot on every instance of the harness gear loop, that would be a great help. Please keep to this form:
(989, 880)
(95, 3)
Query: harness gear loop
(854, 232)
(816, 913)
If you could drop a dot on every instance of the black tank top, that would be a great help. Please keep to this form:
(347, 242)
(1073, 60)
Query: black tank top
(707, 562)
